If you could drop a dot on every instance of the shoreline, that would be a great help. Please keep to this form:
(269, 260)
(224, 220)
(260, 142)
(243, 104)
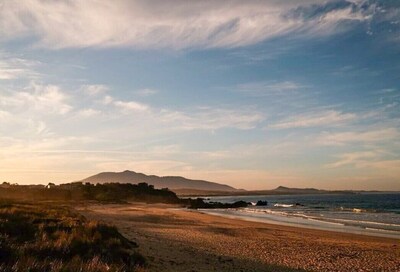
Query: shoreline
(313, 224)
(174, 239)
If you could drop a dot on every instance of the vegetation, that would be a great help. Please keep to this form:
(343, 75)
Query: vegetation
(39, 237)
(109, 192)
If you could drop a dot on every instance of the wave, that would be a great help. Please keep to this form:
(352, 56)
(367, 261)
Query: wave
(366, 222)
(267, 211)
(383, 230)
(359, 210)
(320, 218)
(325, 221)
(283, 205)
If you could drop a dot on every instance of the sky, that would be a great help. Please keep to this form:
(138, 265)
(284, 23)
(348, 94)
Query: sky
(254, 94)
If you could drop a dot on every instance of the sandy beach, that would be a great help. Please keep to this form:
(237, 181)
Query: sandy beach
(174, 239)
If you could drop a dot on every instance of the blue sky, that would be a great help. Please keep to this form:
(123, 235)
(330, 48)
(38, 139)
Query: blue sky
(254, 94)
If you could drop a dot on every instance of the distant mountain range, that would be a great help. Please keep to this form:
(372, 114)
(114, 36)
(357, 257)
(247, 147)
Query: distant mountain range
(281, 190)
(170, 182)
(189, 187)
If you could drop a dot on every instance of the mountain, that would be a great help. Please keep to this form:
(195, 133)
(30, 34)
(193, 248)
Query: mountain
(170, 182)
(281, 190)
(299, 191)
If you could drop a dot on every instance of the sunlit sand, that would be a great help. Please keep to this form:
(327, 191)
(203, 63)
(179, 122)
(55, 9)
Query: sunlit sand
(174, 239)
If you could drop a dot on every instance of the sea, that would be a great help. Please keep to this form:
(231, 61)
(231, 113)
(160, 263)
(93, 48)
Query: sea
(374, 214)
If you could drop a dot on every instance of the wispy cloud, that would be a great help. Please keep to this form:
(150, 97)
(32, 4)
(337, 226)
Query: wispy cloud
(355, 158)
(371, 136)
(316, 119)
(129, 106)
(36, 101)
(205, 118)
(146, 92)
(268, 88)
(36, 97)
(154, 24)
(88, 112)
(12, 67)
(4, 115)
(94, 89)
(126, 107)
(375, 159)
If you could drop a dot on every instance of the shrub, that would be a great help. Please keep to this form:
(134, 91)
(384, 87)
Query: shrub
(43, 238)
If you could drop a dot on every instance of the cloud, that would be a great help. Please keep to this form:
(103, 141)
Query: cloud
(16, 68)
(34, 112)
(373, 136)
(374, 159)
(14, 147)
(205, 118)
(268, 88)
(157, 167)
(88, 112)
(5, 115)
(255, 179)
(354, 158)
(154, 24)
(94, 89)
(146, 92)
(130, 106)
(39, 98)
(316, 119)
(106, 100)
(195, 118)
(42, 129)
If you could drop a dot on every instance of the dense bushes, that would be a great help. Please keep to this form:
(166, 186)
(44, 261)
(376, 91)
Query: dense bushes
(109, 192)
(118, 191)
(36, 237)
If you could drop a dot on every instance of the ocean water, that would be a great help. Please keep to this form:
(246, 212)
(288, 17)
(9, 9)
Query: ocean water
(376, 214)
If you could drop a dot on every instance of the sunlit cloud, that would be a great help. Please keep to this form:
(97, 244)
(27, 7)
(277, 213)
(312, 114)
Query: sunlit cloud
(269, 88)
(146, 92)
(36, 97)
(128, 106)
(143, 24)
(12, 67)
(89, 112)
(205, 118)
(94, 89)
(375, 159)
(315, 119)
(296, 93)
(363, 137)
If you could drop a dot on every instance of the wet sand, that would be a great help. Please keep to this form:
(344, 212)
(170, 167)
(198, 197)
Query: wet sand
(173, 239)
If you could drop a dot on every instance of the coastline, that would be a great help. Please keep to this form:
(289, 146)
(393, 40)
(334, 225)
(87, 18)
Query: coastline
(175, 239)
(299, 222)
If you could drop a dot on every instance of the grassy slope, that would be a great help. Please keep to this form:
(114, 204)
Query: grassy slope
(40, 237)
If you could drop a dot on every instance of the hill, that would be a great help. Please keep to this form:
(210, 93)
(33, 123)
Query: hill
(170, 182)
(281, 190)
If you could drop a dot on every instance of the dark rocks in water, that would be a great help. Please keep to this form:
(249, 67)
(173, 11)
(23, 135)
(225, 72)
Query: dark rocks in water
(239, 204)
(298, 204)
(199, 203)
(262, 203)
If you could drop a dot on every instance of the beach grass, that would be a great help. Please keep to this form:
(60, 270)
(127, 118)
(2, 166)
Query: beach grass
(43, 237)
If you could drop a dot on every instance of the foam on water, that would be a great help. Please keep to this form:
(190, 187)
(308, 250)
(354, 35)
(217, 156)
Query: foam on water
(370, 214)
